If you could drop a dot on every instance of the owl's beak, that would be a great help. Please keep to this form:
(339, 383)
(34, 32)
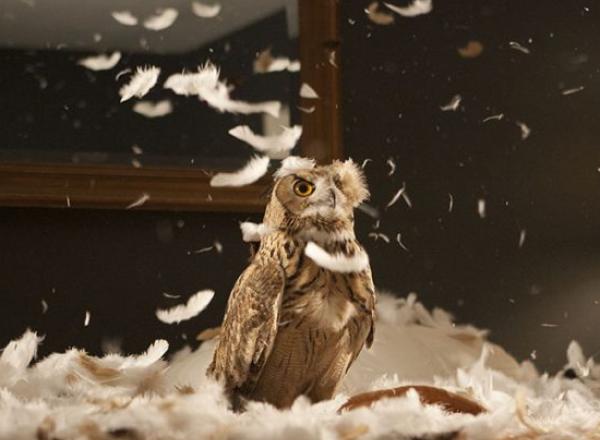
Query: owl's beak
(332, 198)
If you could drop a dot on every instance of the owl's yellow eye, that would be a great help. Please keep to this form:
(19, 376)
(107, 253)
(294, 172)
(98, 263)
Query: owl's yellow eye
(303, 188)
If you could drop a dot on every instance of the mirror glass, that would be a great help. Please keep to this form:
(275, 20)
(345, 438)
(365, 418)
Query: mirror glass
(64, 63)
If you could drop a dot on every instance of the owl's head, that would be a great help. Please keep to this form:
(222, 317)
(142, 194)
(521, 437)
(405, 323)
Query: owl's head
(308, 195)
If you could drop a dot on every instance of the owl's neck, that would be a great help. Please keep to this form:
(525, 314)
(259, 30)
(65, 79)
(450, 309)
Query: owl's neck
(323, 237)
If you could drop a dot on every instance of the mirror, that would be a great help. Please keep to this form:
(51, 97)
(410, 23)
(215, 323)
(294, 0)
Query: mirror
(67, 140)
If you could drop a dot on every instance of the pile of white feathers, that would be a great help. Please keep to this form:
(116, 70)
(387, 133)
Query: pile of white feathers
(73, 395)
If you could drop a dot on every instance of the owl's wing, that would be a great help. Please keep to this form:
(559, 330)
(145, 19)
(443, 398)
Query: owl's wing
(250, 324)
(363, 294)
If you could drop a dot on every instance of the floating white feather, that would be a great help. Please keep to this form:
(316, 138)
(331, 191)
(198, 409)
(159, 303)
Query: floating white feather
(195, 304)
(378, 17)
(417, 7)
(153, 354)
(140, 83)
(151, 109)
(337, 262)
(206, 85)
(250, 173)
(278, 64)
(19, 353)
(518, 46)
(453, 105)
(573, 90)
(139, 202)
(254, 232)
(163, 19)
(306, 91)
(206, 11)
(525, 130)
(125, 18)
(276, 147)
(481, 208)
(100, 62)
(292, 164)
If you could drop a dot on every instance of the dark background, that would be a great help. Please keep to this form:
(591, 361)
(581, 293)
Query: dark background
(395, 78)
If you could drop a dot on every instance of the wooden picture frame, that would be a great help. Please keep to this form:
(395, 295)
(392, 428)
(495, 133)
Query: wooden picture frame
(116, 187)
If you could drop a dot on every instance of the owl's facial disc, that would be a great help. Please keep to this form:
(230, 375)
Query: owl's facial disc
(321, 197)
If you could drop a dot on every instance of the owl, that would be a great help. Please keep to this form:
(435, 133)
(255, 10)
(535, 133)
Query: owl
(293, 325)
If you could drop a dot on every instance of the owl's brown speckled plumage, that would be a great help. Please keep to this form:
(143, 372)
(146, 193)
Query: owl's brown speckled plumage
(292, 327)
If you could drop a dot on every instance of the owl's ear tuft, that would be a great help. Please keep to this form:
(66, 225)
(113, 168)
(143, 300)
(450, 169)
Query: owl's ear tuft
(353, 182)
(291, 164)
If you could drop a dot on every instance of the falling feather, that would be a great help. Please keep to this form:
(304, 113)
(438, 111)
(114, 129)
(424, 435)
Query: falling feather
(522, 236)
(202, 250)
(497, 117)
(481, 208)
(396, 197)
(525, 130)
(378, 17)
(291, 164)
(163, 19)
(337, 262)
(151, 109)
(378, 235)
(137, 149)
(452, 105)
(152, 355)
(308, 92)
(276, 146)
(206, 85)
(254, 232)
(567, 92)
(183, 312)
(371, 211)
(100, 62)
(125, 18)
(450, 202)
(206, 11)
(19, 354)
(87, 318)
(250, 173)
(405, 196)
(139, 202)
(266, 63)
(140, 83)
(310, 109)
(171, 296)
(517, 46)
(399, 241)
(417, 7)
(392, 166)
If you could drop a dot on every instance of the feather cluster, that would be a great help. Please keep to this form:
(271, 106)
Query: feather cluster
(74, 395)
(205, 84)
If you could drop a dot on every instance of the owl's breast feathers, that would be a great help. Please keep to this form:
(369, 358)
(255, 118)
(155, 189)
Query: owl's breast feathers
(293, 321)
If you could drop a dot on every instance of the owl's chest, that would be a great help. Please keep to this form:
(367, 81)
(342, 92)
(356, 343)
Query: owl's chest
(315, 296)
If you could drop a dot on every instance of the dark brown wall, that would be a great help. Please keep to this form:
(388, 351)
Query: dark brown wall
(117, 264)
